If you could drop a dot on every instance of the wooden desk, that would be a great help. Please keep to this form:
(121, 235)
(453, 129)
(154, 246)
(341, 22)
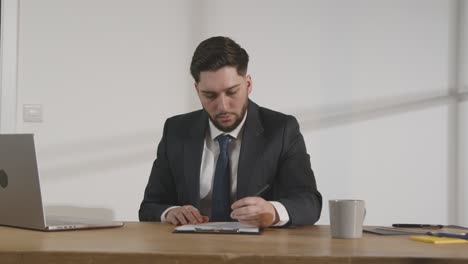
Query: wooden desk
(155, 243)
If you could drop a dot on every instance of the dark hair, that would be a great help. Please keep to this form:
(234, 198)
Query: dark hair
(217, 52)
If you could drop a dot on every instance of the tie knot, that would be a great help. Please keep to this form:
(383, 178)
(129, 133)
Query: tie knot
(223, 141)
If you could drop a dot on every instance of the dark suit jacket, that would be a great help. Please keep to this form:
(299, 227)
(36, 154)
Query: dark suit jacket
(272, 152)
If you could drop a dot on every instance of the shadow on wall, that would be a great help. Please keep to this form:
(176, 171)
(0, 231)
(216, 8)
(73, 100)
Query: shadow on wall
(80, 212)
(92, 165)
(85, 156)
(325, 117)
(114, 143)
(140, 147)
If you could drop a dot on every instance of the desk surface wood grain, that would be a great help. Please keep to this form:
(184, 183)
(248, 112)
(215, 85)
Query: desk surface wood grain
(155, 243)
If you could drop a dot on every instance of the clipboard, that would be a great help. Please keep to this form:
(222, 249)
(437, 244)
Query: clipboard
(219, 228)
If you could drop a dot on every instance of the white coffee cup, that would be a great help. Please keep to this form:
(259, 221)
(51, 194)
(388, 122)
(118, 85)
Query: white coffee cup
(346, 218)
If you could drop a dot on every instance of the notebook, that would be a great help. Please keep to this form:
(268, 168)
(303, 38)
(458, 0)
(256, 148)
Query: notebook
(20, 193)
(439, 240)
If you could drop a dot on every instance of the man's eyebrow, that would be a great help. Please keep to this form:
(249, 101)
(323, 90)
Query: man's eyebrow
(229, 88)
(207, 92)
(234, 86)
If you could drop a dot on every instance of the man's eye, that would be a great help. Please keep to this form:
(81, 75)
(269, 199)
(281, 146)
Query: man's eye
(210, 96)
(231, 92)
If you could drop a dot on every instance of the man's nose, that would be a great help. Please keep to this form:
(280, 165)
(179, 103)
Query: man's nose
(222, 103)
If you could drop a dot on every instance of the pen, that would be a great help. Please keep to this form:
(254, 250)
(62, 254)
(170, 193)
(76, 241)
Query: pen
(262, 191)
(418, 226)
(453, 235)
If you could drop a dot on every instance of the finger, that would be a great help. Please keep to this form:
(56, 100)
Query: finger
(246, 210)
(171, 218)
(196, 214)
(174, 221)
(189, 216)
(193, 215)
(246, 202)
(250, 222)
(181, 218)
(205, 219)
(248, 217)
(260, 222)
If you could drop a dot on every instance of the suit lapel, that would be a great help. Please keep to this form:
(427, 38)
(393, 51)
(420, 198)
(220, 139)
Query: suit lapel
(252, 147)
(193, 151)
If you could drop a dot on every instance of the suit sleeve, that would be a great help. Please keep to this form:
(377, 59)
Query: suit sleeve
(160, 192)
(296, 180)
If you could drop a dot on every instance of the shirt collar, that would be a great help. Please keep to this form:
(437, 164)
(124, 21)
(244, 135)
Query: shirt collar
(214, 131)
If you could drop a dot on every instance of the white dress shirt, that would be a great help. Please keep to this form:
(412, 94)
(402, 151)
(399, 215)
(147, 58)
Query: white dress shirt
(208, 167)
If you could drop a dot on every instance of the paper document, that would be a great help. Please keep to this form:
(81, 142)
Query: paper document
(219, 227)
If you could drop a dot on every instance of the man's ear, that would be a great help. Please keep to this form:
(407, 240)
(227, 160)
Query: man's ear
(196, 86)
(248, 79)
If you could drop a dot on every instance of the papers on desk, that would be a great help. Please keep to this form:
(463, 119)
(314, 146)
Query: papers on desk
(218, 228)
(422, 235)
(383, 230)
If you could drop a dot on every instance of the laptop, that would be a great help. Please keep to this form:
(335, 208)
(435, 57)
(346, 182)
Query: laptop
(20, 191)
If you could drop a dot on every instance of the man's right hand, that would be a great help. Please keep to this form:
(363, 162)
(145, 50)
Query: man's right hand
(186, 214)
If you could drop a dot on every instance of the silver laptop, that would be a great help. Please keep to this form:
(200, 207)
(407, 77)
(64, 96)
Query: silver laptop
(20, 191)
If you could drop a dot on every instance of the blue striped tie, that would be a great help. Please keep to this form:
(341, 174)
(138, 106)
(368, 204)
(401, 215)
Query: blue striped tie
(221, 196)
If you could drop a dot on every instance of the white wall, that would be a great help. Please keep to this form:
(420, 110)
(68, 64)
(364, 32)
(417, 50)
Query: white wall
(8, 65)
(109, 72)
(336, 51)
(340, 55)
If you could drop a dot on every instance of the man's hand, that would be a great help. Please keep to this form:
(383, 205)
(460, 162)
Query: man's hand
(254, 211)
(186, 214)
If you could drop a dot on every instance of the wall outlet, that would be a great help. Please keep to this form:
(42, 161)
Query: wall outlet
(32, 113)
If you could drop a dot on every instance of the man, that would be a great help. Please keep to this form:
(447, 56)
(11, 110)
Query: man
(233, 160)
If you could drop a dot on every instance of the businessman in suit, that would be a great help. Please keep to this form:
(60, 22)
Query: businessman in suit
(233, 160)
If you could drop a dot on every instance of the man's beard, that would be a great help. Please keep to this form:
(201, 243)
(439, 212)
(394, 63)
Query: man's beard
(236, 122)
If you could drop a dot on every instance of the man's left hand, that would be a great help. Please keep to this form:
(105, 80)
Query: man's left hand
(254, 211)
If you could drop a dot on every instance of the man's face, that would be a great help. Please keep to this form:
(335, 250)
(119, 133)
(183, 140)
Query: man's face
(224, 96)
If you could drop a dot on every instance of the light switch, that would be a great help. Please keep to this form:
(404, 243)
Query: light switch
(32, 113)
